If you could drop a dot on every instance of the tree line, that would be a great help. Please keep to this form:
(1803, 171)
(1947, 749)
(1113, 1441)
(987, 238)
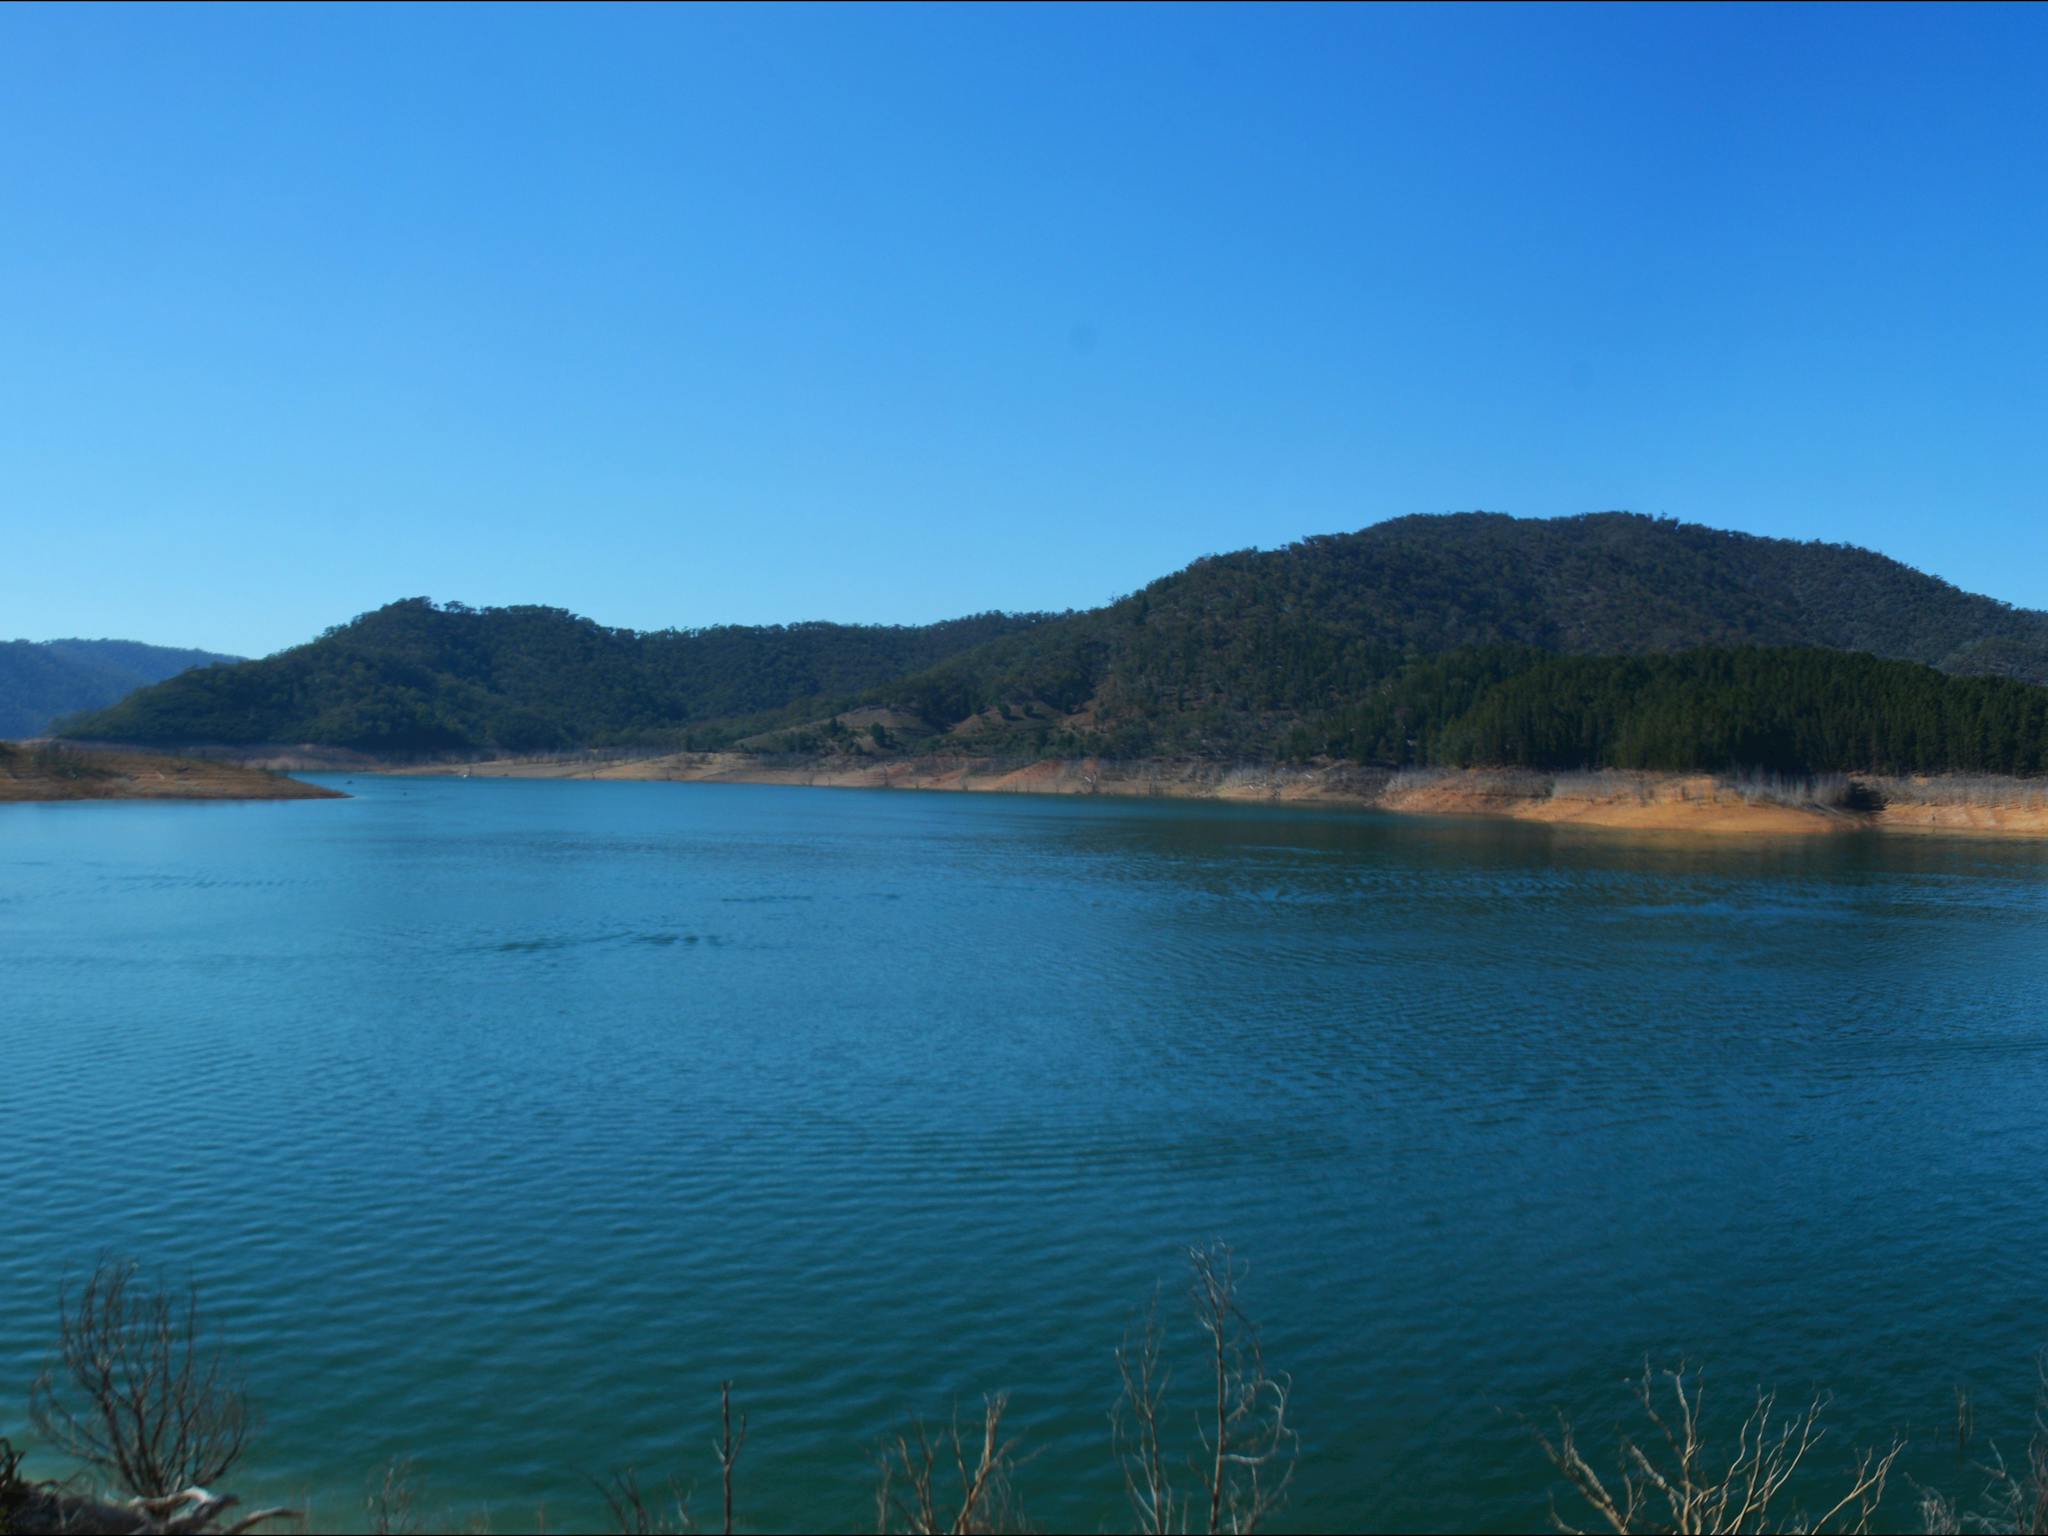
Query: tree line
(1787, 709)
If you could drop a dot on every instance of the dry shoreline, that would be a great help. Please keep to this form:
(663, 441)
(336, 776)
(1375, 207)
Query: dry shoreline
(34, 772)
(1639, 802)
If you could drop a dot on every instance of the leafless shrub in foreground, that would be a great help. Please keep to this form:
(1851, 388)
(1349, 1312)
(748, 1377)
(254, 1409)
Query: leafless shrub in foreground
(1671, 1481)
(2015, 1499)
(1136, 1427)
(630, 1513)
(1250, 1448)
(140, 1388)
(627, 1505)
(909, 1496)
(728, 1447)
(1247, 1448)
(391, 1502)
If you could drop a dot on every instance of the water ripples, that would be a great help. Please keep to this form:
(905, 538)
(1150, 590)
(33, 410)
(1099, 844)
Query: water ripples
(501, 1120)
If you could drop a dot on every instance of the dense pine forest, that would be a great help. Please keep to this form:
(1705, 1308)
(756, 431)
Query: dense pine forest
(1610, 639)
(1793, 710)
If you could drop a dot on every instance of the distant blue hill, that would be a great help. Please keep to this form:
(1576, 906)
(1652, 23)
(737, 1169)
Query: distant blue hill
(41, 681)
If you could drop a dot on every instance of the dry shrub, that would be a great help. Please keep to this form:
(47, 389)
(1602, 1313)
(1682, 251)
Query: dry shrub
(1669, 1479)
(2014, 1499)
(628, 1507)
(913, 1494)
(391, 1502)
(140, 1390)
(1243, 1465)
(632, 1515)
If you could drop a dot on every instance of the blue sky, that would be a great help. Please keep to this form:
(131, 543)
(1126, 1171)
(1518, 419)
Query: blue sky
(702, 315)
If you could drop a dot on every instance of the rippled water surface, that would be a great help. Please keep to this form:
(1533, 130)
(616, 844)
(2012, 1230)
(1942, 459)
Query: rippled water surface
(500, 1120)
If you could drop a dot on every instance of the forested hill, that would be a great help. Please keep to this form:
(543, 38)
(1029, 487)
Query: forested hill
(415, 677)
(1226, 655)
(1248, 654)
(43, 680)
(1799, 710)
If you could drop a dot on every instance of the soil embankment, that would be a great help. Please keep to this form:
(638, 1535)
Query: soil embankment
(1641, 802)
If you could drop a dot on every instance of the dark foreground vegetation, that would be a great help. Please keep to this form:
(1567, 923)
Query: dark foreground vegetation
(1421, 640)
(143, 1400)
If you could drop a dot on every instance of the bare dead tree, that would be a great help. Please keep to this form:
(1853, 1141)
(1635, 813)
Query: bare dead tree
(908, 1496)
(1246, 1448)
(1136, 1427)
(1249, 1447)
(728, 1447)
(140, 1389)
(628, 1506)
(1671, 1481)
(191, 1513)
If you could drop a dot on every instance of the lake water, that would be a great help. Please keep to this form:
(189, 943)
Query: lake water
(498, 1121)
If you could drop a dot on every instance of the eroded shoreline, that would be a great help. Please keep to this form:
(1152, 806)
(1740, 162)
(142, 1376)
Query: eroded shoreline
(1633, 801)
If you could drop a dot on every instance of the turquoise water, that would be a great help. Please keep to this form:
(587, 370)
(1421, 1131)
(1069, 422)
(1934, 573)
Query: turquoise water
(499, 1120)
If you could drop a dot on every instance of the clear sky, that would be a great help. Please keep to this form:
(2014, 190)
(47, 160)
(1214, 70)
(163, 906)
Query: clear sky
(676, 317)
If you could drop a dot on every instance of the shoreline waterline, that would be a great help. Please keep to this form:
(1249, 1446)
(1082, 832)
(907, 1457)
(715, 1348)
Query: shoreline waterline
(1617, 800)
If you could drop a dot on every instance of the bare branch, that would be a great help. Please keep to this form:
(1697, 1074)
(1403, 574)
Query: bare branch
(1136, 1425)
(728, 1447)
(1250, 1449)
(908, 1496)
(391, 1504)
(140, 1390)
(1670, 1482)
(629, 1511)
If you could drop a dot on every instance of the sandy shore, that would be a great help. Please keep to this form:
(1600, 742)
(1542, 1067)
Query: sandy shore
(31, 772)
(1641, 802)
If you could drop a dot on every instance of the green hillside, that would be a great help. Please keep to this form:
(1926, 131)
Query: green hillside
(43, 680)
(1227, 655)
(415, 677)
(1391, 643)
